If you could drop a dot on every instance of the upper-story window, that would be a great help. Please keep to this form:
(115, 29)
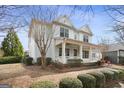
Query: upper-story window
(85, 38)
(64, 32)
(75, 36)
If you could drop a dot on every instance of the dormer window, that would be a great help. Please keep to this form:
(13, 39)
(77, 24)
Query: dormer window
(85, 38)
(64, 32)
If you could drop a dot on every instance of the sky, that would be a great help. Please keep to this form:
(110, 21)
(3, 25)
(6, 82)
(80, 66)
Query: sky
(99, 24)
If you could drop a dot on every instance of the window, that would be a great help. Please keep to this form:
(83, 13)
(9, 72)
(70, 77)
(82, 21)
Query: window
(93, 55)
(67, 52)
(85, 38)
(85, 54)
(60, 51)
(75, 52)
(75, 37)
(121, 53)
(64, 32)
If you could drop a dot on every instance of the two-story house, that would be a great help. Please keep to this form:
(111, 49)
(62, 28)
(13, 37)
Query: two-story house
(68, 43)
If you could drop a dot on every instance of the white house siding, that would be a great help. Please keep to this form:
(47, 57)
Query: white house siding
(32, 48)
(37, 53)
(56, 29)
(71, 34)
(80, 36)
(51, 50)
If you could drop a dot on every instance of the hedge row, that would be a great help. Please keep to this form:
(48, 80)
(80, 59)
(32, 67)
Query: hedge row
(87, 80)
(100, 79)
(43, 84)
(90, 80)
(70, 83)
(10, 59)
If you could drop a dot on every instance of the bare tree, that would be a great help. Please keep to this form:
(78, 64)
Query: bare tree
(119, 29)
(11, 16)
(117, 15)
(41, 29)
(104, 44)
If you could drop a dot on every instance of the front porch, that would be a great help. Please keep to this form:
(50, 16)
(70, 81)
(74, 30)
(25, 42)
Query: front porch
(67, 49)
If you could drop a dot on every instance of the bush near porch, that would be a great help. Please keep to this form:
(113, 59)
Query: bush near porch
(48, 61)
(10, 59)
(74, 62)
(28, 61)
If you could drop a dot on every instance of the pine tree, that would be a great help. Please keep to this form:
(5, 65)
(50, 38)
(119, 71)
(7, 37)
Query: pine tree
(11, 44)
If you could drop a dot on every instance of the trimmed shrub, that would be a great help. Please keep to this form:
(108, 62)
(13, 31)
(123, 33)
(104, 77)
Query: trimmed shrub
(74, 62)
(116, 74)
(70, 83)
(90, 64)
(106, 58)
(87, 80)
(28, 61)
(58, 65)
(39, 61)
(99, 63)
(109, 75)
(48, 61)
(121, 74)
(100, 79)
(10, 59)
(43, 84)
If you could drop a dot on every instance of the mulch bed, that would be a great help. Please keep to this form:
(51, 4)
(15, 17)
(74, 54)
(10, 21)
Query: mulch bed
(69, 69)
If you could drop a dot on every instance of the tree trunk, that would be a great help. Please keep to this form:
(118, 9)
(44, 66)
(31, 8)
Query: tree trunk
(43, 61)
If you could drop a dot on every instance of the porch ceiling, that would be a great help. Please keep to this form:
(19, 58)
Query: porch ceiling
(74, 42)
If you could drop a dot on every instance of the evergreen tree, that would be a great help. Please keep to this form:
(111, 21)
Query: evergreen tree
(11, 44)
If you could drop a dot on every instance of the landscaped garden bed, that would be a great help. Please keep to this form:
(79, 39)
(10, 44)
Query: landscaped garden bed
(99, 79)
(20, 75)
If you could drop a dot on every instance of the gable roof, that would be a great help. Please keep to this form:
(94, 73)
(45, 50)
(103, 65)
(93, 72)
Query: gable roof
(86, 29)
(64, 20)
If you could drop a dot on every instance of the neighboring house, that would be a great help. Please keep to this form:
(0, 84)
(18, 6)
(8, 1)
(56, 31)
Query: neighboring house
(68, 43)
(115, 52)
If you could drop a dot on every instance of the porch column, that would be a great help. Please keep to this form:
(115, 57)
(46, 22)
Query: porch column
(63, 52)
(80, 51)
(90, 54)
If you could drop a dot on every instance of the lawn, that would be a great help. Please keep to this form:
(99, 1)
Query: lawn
(19, 75)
